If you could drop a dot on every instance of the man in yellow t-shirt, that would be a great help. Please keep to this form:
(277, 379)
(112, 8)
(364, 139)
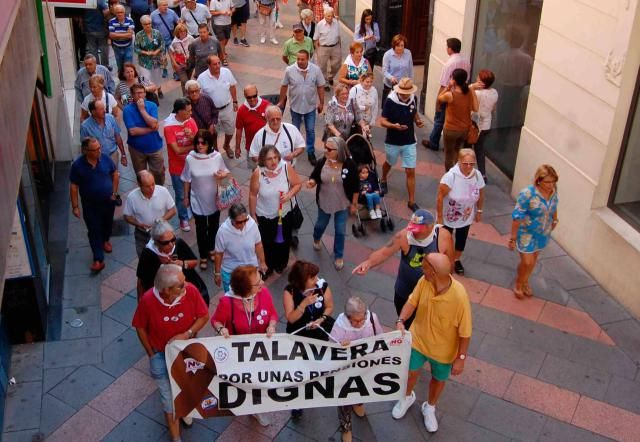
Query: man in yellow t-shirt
(441, 333)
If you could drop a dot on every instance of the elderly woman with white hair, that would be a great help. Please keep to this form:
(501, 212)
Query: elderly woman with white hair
(357, 322)
(171, 296)
(306, 20)
(460, 201)
(150, 48)
(165, 248)
(335, 178)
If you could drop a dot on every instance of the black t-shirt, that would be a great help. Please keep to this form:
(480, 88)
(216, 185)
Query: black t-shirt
(399, 113)
(311, 313)
(149, 263)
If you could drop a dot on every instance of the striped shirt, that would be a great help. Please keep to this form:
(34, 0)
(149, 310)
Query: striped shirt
(455, 61)
(121, 28)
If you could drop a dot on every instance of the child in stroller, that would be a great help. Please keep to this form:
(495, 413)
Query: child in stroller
(371, 191)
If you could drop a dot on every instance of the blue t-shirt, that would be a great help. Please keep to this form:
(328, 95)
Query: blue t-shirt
(95, 183)
(121, 28)
(150, 142)
(94, 18)
(402, 114)
(170, 18)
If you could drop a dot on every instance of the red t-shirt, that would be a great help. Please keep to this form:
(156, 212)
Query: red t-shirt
(251, 121)
(162, 322)
(263, 312)
(175, 134)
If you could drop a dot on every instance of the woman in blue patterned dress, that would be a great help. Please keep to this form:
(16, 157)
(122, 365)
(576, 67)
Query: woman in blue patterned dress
(534, 218)
(354, 66)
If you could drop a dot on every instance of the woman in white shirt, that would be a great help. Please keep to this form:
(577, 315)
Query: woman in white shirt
(96, 85)
(203, 169)
(487, 100)
(365, 97)
(460, 201)
(273, 185)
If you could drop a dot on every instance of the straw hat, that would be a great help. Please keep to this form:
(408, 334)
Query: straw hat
(405, 86)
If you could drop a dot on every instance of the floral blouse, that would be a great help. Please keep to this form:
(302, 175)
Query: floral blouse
(536, 214)
(144, 43)
(341, 117)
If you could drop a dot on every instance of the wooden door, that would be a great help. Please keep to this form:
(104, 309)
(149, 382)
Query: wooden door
(415, 26)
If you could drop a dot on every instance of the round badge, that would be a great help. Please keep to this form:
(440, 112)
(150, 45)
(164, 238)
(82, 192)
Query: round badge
(318, 305)
(180, 315)
(259, 317)
(261, 322)
(165, 319)
(320, 298)
(263, 312)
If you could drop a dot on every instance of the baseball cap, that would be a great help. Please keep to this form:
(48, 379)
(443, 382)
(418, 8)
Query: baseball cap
(298, 27)
(419, 220)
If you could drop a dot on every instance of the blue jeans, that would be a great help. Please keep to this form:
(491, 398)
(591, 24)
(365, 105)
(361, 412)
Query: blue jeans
(340, 226)
(438, 124)
(309, 127)
(373, 200)
(160, 374)
(123, 55)
(178, 189)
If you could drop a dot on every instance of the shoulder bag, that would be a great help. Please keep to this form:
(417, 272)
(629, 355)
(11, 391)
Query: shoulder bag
(296, 213)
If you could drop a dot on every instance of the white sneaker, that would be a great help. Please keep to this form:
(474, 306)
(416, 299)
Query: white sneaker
(401, 407)
(263, 39)
(274, 41)
(184, 225)
(188, 421)
(279, 25)
(317, 245)
(373, 214)
(430, 421)
(263, 419)
(379, 213)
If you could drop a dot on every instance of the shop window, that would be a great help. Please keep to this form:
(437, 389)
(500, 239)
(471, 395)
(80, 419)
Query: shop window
(505, 41)
(625, 194)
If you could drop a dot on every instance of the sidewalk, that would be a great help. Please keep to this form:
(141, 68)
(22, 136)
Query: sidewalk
(558, 367)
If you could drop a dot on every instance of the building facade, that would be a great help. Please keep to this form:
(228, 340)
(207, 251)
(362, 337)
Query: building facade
(567, 72)
(34, 134)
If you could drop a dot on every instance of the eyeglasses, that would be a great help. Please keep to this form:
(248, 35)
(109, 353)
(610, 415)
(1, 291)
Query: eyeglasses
(468, 163)
(242, 221)
(259, 283)
(251, 97)
(167, 242)
(330, 149)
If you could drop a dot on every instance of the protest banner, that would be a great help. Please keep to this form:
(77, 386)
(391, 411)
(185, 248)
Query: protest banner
(254, 374)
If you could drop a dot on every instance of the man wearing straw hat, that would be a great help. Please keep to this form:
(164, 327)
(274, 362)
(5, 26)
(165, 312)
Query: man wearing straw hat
(399, 113)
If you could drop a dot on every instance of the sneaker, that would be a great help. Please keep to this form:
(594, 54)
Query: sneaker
(165, 73)
(274, 41)
(373, 214)
(97, 266)
(263, 419)
(107, 247)
(294, 242)
(160, 93)
(184, 225)
(225, 62)
(401, 407)
(458, 267)
(263, 39)
(413, 206)
(244, 43)
(187, 422)
(379, 213)
(235, 41)
(430, 421)
(312, 159)
(428, 145)
(176, 77)
(384, 188)
(279, 25)
(317, 245)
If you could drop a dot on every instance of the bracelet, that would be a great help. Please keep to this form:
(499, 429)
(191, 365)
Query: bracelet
(479, 210)
(216, 273)
(399, 320)
(190, 332)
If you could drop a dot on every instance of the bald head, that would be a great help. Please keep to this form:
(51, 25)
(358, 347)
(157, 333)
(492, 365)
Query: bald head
(250, 89)
(439, 262)
(146, 182)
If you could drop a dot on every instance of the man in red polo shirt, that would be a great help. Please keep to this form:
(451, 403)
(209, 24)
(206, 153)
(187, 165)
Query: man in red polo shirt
(171, 310)
(250, 118)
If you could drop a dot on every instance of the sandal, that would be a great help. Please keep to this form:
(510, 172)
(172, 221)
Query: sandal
(527, 290)
(238, 154)
(229, 152)
(338, 264)
(212, 256)
(519, 293)
(203, 264)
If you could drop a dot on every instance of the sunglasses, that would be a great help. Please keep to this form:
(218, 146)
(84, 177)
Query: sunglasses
(468, 164)
(167, 242)
(251, 97)
(330, 149)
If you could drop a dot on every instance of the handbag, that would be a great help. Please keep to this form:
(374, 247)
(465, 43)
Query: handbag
(229, 193)
(297, 218)
(473, 134)
(374, 55)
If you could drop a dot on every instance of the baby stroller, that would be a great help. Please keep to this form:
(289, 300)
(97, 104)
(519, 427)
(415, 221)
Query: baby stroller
(359, 149)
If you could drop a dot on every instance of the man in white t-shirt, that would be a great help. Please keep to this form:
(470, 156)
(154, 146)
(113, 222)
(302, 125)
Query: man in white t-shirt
(194, 14)
(220, 85)
(145, 205)
(285, 136)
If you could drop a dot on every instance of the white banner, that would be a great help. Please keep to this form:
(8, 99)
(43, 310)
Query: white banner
(253, 374)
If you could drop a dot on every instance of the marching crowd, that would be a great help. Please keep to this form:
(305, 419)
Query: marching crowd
(189, 40)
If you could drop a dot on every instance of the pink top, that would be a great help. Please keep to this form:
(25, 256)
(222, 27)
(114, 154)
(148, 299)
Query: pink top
(343, 330)
(233, 313)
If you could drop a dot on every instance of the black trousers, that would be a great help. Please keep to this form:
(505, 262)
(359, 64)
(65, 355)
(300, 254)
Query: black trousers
(206, 230)
(99, 221)
(479, 149)
(460, 236)
(276, 254)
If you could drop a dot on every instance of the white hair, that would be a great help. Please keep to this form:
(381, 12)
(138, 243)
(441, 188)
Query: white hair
(328, 9)
(191, 83)
(167, 277)
(305, 13)
(160, 227)
(354, 305)
(146, 18)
